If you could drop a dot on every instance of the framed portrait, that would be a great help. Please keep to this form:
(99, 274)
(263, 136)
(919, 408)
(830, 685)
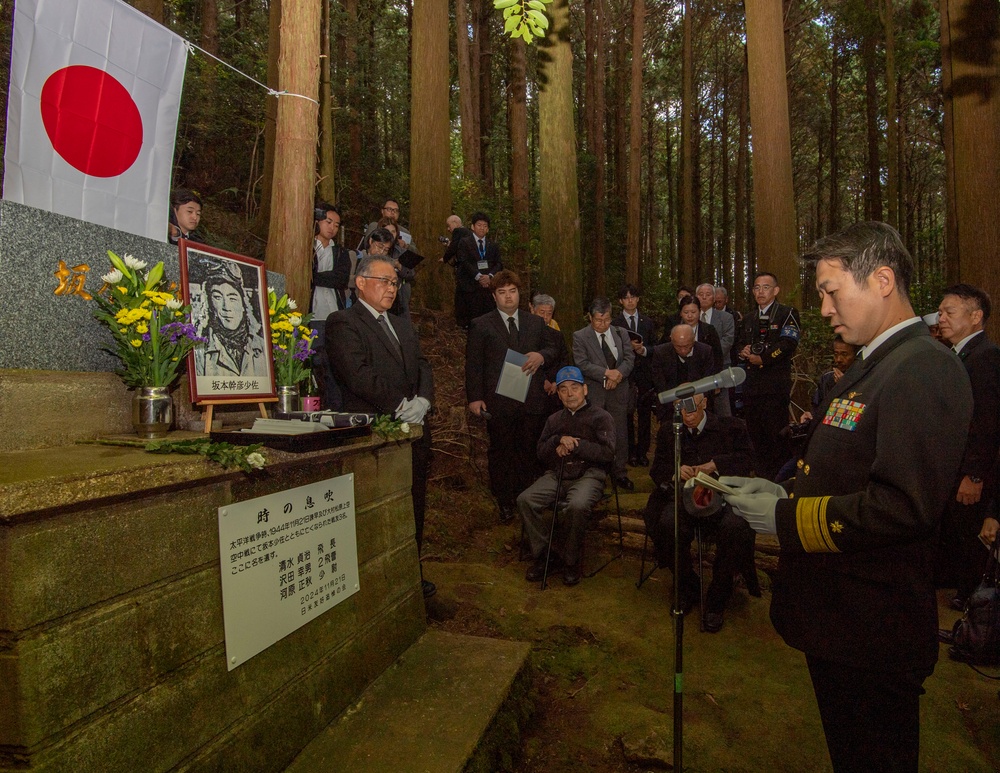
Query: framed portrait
(228, 297)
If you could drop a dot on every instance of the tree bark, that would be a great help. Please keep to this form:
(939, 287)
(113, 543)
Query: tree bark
(873, 173)
(686, 194)
(891, 113)
(600, 150)
(632, 247)
(969, 32)
(739, 288)
(326, 186)
(467, 108)
(833, 208)
(295, 148)
(152, 8)
(262, 222)
(486, 96)
(559, 210)
(353, 116)
(519, 178)
(774, 202)
(430, 150)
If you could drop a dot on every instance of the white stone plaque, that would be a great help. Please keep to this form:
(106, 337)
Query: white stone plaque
(286, 558)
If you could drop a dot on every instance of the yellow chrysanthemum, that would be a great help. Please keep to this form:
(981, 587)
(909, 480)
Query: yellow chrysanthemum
(136, 342)
(142, 327)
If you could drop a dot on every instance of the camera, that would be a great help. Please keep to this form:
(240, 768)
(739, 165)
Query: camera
(444, 239)
(757, 348)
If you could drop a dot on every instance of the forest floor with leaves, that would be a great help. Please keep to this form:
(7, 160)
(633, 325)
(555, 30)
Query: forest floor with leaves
(603, 651)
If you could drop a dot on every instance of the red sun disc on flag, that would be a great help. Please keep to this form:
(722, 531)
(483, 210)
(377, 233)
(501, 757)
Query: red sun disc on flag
(91, 120)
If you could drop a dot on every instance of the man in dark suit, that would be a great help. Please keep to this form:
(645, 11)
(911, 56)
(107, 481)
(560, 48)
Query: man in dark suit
(459, 233)
(604, 354)
(513, 426)
(709, 444)
(678, 361)
(963, 312)
(725, 326)
(477, 261)
(378, 363)
(854, 589)
(766, 341)
(641, 381)
(543, 306)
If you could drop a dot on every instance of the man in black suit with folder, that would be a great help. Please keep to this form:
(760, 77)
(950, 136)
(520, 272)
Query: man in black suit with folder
(513, 426)
(377, 361)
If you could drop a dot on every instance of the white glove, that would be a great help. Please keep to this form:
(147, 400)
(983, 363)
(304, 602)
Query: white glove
(757, 508)
(413, 411)
(755, 486)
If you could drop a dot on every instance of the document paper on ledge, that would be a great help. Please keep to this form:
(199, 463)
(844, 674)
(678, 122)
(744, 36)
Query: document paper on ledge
(513, 381)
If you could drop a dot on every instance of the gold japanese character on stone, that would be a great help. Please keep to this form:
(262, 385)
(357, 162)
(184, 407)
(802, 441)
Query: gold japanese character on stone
(72, 280)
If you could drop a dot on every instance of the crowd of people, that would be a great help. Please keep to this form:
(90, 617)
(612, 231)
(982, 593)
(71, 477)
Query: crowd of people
(883, 490)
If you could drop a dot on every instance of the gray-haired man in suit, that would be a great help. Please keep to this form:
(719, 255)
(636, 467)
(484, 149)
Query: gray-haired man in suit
(605, 356)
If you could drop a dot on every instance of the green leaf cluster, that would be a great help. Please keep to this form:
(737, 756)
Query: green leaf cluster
(524, 19)
(391, 429)
(246, 458)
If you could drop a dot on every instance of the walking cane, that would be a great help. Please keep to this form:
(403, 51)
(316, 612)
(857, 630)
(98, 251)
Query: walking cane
(555, 514)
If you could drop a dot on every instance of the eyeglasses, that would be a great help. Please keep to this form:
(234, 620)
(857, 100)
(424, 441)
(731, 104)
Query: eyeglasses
(763, 288)
(384, 281)
(390, 209)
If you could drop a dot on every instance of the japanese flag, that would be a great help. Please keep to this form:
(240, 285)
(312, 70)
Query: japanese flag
(95, 88)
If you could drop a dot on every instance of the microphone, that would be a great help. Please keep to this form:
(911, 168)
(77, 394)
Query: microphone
(724, 379)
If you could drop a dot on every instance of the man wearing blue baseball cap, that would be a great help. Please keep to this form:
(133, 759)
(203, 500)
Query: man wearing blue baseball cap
(577, 447)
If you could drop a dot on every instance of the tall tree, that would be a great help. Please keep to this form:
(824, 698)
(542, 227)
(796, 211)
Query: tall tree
(430, 148)
(891, 113)
(970, 35)
(599, 147)
(773, 197)
(519, 177)
(295, 145)
(632, 248)
(326, 185)
(468, 110)
(559, 210)
(686, 194)
(262, 222)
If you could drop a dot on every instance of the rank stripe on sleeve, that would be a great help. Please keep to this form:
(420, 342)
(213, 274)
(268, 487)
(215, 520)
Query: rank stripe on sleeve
(810, 519)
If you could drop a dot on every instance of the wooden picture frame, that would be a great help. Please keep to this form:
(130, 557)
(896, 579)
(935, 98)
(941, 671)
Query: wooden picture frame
(228, 297)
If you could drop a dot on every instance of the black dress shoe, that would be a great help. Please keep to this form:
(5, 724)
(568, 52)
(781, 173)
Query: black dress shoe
(429, 588)
(713, 622)
(571, 574)
(625, 483)
(946, 636)
(536, 571)
(633, 462)
(957, 603)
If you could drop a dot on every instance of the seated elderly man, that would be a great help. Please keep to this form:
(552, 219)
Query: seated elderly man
(709, 444)
(578, 446)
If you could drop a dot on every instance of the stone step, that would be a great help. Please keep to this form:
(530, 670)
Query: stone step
(449, 703)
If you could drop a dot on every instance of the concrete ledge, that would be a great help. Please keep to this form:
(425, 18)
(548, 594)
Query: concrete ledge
(450, 703)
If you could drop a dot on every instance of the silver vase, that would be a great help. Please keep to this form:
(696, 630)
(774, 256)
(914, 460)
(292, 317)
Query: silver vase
(288, 399)
(152, 411)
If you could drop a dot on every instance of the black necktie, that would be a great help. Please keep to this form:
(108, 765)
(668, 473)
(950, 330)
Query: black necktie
(608, 356)
(482, 248)
(384, 324)
(511, 333)
(631, 323)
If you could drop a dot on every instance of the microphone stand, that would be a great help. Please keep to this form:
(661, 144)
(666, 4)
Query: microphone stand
(678, 613)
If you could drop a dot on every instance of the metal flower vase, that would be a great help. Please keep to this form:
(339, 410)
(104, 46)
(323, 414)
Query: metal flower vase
(152, 411)
(288, 399)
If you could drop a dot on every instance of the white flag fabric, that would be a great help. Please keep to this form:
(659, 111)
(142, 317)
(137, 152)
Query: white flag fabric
(95, 89)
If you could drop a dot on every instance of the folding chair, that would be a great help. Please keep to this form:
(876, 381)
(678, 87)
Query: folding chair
(559, 503)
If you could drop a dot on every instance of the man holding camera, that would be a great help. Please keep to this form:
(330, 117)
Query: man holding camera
(765, 342)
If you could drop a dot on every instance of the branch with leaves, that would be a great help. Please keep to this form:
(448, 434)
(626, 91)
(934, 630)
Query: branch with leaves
(524, 19)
